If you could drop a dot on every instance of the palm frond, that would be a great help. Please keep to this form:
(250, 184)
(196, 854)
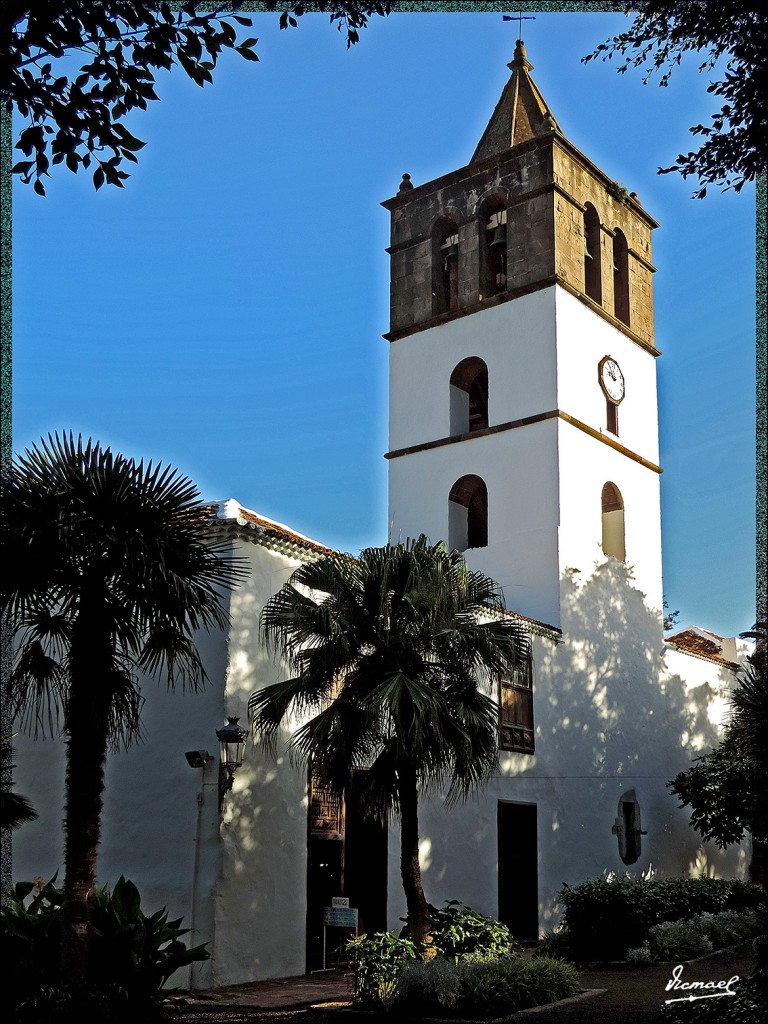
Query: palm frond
(37, 689)
(93, 540)
(403, 641)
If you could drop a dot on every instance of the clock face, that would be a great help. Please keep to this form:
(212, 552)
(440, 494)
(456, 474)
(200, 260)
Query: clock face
(611, 379)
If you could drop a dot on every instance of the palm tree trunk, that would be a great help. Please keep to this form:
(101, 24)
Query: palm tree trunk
(410, 870)
(87, 729)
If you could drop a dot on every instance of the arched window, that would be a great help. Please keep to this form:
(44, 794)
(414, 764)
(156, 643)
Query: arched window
(468, 514)
(613, 522)
(627, 827)
(620, 277)
(469, 396)
(445, 266)
(593, 281)
(493, 247)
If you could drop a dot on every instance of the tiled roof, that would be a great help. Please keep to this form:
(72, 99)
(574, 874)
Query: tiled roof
(535, 625)
(253, 526)
(701, 643)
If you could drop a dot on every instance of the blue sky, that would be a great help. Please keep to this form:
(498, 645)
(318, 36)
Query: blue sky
(224, 311)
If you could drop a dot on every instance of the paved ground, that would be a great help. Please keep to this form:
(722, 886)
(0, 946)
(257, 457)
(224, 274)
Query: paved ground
(626, 994)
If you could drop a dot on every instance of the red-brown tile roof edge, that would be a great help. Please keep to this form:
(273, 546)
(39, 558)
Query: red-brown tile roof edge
(691, 641)
(537, 624)
(257, 527)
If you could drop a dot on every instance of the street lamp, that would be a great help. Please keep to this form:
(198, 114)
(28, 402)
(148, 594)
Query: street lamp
(231, 739)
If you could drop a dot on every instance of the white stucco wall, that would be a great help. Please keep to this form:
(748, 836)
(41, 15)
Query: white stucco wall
(614, 710)
(517, 342)
(583, 338)
(544, 479)
(238, 880)
(152, 823)
(520, 471)
(260, 896)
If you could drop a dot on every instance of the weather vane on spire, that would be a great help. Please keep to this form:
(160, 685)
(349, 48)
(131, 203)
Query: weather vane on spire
(520, 18)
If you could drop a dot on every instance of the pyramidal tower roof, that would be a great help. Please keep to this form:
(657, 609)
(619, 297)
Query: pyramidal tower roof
(521, 113)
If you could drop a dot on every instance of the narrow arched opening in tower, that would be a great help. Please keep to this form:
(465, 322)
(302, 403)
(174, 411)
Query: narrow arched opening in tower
(493, 247)
(445, 266)
(593, 281)
(613, 522)
(469, 396)
(620, 277)
(468, 513)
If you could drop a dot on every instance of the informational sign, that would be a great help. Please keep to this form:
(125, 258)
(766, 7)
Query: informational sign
(339, 901)
(340, 917)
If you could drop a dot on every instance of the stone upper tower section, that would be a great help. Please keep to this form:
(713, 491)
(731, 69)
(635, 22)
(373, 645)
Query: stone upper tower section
(527, 212)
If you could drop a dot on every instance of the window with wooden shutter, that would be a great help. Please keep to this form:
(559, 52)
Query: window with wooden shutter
(516, 709)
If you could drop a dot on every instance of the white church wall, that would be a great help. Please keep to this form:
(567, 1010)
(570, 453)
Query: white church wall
(516, 341)
(260, 895)
(230, 877)
(522, 508)
(614, 712)
(151, 820)
(585, 466)
(583, 338)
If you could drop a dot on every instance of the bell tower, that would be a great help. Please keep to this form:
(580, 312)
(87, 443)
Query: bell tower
(523, 414)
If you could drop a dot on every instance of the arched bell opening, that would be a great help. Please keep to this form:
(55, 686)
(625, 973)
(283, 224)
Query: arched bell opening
(469, 396)
(493, 247)
(468, 514)
(445, 266)
(613, 522)
(593, 282)
(620, 277)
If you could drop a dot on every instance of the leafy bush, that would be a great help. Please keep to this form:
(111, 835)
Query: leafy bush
(481, 989)
(678, 940)
(376, 961)
(607, 916)
(685, 940)
(458, 931)
(428, 987)
(504, 986)
(132, 955)
(731, 927)
(555, 945)
(640, 955)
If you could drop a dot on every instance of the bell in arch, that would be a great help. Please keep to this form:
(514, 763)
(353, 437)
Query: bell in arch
(499, 237)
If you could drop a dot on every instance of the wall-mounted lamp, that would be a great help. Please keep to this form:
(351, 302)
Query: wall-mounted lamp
(198, 758)
(231, 739)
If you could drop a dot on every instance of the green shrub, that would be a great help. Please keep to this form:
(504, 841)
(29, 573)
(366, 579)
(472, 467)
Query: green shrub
(731, 927)
(132, 955)
(678, 940)
(376, 961)
(480, 989)
(458, 932)
(507, 985)
(429, 987)
(605, 917)
(686, 940)
(555, 945)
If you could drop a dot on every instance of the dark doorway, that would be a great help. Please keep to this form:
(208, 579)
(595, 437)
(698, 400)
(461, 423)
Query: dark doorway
(365, 861)
(518, 870)
(346, 856)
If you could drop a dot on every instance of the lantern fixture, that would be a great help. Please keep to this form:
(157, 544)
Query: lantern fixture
(231, 739)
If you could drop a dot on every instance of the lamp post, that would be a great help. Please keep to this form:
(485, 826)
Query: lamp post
(231, 739)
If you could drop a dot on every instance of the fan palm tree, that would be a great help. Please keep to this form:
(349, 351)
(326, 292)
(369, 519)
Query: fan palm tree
(391, 653)
(108, 571)
(15, 810)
